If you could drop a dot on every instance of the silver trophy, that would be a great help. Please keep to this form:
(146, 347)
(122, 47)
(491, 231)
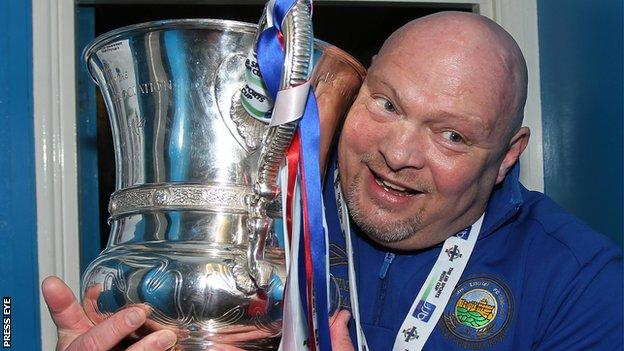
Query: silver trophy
(192, 235)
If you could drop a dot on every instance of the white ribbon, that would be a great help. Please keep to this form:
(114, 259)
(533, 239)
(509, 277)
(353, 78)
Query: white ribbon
(294, 330)
(290, 104)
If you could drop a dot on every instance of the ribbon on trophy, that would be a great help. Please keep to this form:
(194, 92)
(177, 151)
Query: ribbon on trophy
(309, 250)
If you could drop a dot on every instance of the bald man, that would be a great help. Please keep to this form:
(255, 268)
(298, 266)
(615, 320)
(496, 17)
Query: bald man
(448, 250)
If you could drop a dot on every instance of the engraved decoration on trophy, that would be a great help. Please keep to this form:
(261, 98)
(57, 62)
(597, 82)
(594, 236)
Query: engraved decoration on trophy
(192, 216)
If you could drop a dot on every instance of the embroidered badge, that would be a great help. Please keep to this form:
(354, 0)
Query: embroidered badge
(478, 313)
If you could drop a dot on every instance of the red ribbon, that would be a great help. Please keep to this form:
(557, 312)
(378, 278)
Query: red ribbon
(308, 264)
(292, 161)
(293, 157)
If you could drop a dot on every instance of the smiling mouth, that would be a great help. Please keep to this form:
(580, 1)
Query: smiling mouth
(394, 188)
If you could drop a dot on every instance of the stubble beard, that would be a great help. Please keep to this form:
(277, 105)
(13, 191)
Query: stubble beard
(385, 229)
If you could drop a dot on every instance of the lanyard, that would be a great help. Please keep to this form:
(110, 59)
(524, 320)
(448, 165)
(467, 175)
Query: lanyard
(433, 296)
(345, 226)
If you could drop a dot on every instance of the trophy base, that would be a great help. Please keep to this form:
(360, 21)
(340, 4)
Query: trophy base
(260, 345)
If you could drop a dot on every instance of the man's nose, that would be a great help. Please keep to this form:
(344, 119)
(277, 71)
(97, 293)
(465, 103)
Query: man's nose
(403, 147)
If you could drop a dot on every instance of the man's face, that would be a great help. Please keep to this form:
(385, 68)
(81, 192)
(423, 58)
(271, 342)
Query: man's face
(422, 145)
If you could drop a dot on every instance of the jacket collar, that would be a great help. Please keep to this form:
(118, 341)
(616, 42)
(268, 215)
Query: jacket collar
(504, 202)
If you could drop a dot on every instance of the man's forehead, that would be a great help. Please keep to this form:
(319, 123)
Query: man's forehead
(450, 52)
(450, 73)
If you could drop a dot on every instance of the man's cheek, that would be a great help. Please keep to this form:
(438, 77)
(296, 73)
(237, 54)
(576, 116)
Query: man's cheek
(451, 184)
(362, 134)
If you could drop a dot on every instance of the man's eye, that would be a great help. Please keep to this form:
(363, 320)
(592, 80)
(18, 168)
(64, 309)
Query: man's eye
(388, 106)
(453, 137)
(385, 104)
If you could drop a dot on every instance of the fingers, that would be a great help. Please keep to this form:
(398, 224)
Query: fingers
(341, 319)
(158, 341)
(65, 311)
(339, 331)
(242, 336)
(90, 301)
(109, 333)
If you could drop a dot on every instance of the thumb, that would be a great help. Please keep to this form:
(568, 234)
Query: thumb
(65, 310)
(339, 331)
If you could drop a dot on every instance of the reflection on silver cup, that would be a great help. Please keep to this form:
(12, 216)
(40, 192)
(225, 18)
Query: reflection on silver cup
(186, 160)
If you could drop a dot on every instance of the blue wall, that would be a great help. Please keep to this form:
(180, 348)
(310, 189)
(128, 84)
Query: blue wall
(581, 66)
(18, 232)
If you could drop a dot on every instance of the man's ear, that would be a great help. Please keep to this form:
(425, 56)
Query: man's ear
(516, 146)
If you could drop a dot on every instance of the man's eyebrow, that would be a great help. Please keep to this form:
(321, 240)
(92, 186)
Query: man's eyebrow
(481, 127)
(380, 80)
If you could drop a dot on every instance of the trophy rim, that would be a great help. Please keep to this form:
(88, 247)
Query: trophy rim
(345, 56)
(201, 23)
(188, 23)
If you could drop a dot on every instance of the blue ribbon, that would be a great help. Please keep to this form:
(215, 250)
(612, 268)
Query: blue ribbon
(270, 53)
(270, 60)
(310, 141)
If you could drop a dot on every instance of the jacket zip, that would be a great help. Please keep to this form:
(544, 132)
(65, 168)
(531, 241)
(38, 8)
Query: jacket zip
(383, 287)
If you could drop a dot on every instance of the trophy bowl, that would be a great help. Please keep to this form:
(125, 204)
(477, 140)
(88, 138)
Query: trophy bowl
(186, 159)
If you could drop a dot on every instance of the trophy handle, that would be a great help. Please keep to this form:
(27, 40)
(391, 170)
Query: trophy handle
(298, 42)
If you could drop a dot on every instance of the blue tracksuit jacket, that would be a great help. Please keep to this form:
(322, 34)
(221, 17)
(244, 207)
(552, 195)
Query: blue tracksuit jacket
(538, 279)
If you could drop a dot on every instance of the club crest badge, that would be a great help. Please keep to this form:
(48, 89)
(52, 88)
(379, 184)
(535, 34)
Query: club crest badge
(478, 313)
